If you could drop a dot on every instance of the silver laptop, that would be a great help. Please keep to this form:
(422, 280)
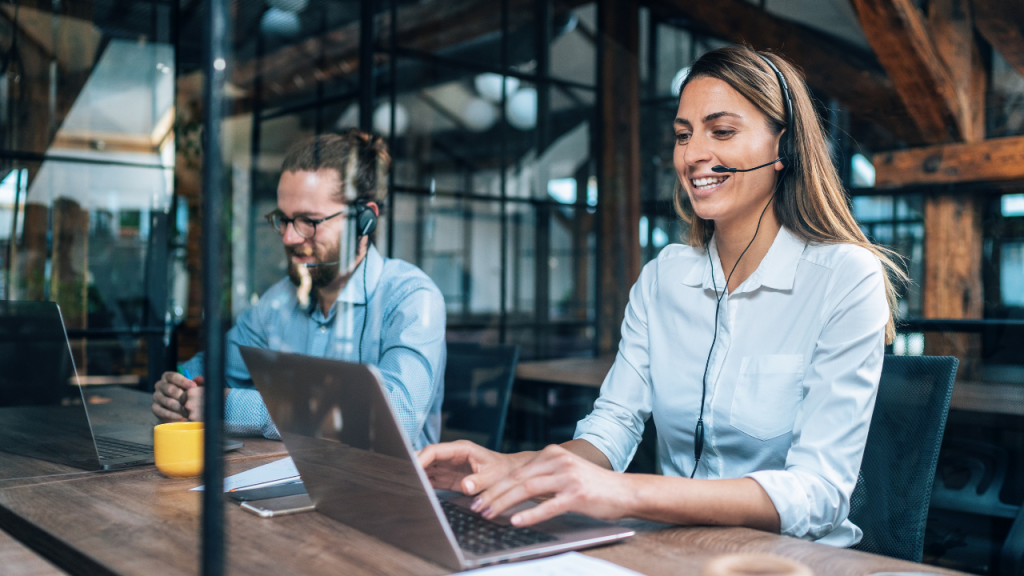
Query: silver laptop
(45, 412)
(360, 469)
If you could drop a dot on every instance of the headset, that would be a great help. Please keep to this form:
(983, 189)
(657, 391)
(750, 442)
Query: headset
(786, 153)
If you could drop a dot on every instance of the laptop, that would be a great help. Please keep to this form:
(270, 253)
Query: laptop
(360, 469)
(44, 411)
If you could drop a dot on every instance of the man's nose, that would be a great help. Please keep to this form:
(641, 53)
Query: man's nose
(290, 236)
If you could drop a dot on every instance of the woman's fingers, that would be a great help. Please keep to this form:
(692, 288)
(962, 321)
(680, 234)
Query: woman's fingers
(543, 511)
(460, 465)
(551, 460)
(523, 491)
(443, 453)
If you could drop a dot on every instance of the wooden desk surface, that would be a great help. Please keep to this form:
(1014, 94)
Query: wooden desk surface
(130, 406)
(138, 522)
(15, 558)
(589, 372)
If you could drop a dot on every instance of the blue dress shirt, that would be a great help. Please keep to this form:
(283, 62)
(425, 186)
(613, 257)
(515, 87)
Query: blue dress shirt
(390, 314)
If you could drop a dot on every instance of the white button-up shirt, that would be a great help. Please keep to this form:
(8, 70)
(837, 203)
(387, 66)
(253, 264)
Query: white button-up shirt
(791, 384)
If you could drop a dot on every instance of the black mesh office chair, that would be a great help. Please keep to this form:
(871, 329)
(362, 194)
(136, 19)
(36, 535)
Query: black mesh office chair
(890, 502)
(477, 384)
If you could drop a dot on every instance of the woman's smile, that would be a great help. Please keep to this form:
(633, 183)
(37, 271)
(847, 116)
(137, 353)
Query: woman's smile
(705, 185)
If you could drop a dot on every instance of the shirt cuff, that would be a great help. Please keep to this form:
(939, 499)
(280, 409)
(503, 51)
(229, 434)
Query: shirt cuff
(790, 500)
(245, 414)
(596, 433)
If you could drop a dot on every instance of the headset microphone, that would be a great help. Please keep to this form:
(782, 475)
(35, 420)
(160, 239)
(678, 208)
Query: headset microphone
(723, 169)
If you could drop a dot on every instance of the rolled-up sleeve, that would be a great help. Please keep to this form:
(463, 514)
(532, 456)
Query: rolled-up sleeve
(812, 494)
(616, 425)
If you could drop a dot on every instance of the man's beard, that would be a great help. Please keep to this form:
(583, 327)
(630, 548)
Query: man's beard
(322, 275)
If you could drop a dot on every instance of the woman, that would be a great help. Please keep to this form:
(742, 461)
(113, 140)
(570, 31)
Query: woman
(776, 362)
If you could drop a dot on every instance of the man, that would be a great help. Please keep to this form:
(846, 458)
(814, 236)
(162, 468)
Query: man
(341, 299)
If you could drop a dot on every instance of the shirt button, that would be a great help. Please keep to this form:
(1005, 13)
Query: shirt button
(323, 329)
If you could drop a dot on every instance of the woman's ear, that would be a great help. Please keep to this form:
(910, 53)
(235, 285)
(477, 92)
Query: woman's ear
(373, 206)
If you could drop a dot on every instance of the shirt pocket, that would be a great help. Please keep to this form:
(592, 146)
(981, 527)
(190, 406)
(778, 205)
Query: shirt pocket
(767, 395)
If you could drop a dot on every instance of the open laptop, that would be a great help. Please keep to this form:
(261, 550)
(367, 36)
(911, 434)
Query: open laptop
(360, 469)
(44, 411)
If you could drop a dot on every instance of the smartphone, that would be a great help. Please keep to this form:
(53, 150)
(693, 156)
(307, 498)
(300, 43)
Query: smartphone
(282, 506)
(267, 492)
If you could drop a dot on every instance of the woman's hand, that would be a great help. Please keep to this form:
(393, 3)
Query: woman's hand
(576, 484)
(463, 466)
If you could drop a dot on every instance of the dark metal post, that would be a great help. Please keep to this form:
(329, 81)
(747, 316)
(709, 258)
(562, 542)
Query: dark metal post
(503, 132)
(392, 136)
(366, 54)
(156, 296)
(215, 68)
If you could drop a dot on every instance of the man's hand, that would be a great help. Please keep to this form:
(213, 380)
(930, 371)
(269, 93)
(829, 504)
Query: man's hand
(178, 399)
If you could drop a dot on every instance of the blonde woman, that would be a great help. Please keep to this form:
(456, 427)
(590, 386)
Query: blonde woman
(757, 348)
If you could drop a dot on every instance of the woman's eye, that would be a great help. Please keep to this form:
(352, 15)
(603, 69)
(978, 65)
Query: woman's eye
(682, 137)
(723, 133)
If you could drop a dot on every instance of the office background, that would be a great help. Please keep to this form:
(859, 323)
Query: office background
(532, 173)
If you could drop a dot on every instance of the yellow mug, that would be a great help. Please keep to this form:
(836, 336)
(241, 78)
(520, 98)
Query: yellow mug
(178, 449)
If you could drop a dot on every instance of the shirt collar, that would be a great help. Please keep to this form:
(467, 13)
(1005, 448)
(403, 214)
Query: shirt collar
(777, 269)
(353, 293)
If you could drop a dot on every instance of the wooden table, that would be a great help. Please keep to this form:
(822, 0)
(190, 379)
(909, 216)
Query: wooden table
(135, 521)
(985, 397)
(589, 372)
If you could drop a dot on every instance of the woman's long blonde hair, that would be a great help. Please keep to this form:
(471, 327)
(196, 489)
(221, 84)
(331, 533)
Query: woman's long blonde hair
(811, 202)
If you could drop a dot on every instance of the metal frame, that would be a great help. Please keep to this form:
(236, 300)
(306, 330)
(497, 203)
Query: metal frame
(371, 79)
(215, 50)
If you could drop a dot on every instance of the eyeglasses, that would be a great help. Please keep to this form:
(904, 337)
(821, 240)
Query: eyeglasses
(305, 227)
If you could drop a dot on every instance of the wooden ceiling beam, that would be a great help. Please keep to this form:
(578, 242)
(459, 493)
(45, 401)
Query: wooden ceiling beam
(1001, 23)
(833, 67)
(996, 160)
(898, 34)
(952, 30)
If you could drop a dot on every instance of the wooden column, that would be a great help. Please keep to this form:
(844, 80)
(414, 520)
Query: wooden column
(619, 192)
(69, 270)
(953, 234)
(952, 274)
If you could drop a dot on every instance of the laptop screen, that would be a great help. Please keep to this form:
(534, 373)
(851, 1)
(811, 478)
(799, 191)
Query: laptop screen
(42, 412)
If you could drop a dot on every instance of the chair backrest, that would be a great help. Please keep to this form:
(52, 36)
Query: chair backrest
(477, 385)
(894, 489)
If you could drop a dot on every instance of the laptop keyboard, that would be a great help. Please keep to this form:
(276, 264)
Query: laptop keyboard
(110, 448)
(480, 536)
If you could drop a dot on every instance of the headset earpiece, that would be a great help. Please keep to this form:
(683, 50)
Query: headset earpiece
(366, 219)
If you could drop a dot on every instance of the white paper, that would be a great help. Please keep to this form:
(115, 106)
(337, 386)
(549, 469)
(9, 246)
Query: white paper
(570, 564)
(277, 470)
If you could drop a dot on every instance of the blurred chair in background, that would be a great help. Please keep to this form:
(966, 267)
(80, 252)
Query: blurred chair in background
(970, 479)
(477, 384)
